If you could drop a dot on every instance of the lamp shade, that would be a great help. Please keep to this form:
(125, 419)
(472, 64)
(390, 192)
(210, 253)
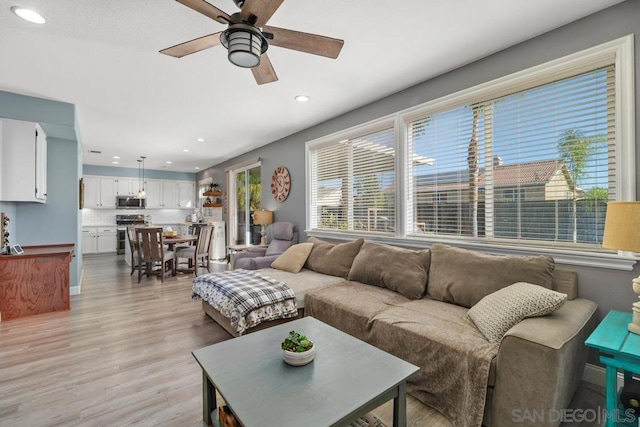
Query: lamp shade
(263, 217)
(622, 226)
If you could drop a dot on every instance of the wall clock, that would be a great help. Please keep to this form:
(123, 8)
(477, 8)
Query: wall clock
(280, 184)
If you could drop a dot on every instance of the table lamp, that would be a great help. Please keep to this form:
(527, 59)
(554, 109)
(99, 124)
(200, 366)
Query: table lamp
(264, 218)
(622, 232)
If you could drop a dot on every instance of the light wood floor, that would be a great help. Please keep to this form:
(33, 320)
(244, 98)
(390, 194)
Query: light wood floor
(121, 356)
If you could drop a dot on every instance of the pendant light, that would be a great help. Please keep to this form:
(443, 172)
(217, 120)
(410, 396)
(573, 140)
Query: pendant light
(139, 178)
(142, 194)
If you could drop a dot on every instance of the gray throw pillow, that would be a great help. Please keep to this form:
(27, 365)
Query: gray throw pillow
(332, 259)
(401, 270)
(498, 312)
(464, 277)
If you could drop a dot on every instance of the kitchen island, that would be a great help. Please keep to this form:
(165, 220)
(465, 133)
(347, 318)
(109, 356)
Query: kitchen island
(36, 281)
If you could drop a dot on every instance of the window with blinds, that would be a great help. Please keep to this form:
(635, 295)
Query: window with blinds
(353, 183)
(535, 165)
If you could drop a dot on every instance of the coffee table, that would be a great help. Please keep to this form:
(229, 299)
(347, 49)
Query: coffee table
(347, 379)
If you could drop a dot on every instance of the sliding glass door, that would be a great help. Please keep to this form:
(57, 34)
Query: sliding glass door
(247, 189)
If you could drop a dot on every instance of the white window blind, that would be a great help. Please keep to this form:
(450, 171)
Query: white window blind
(353, 183)
(536, 165)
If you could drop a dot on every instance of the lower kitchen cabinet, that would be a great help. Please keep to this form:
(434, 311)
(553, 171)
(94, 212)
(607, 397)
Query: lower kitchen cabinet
(96, 240)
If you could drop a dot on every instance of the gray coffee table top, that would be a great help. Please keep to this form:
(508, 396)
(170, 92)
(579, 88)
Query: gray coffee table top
(347, 376)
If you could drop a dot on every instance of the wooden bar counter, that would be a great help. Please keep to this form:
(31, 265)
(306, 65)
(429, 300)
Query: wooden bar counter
(36, 281)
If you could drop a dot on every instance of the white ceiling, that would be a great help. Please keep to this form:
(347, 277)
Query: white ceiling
(102, 56)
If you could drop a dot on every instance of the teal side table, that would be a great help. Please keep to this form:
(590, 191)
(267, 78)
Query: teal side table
(619, 349)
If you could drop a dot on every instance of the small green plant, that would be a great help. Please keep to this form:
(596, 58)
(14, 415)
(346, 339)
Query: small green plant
(296, 343)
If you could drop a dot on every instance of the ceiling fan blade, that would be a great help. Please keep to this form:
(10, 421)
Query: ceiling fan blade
(193, 46)
(305, 42)
(264, 73)
(207, 10)
(262, 9)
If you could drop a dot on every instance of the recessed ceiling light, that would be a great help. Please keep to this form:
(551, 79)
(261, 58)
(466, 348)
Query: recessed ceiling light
(200, 139)
(115, 163)
(186, 150)
(302, 98)
(168, 162)
(28, 15)
(116, 157)
(197, 168)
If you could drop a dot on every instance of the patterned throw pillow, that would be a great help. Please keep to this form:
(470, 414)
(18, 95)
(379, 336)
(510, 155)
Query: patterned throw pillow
(496, 313)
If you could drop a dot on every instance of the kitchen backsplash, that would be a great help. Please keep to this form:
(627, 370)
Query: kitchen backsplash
(92, 217)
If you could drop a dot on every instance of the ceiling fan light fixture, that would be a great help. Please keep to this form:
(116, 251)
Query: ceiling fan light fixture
(245, 44)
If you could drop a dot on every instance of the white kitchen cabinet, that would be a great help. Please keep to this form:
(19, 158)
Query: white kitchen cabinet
(99, 192)
(97, 240)
(127, 186)
(23, 162)
(153, 188)
(88, 240)
(169, 194)
(186, 195)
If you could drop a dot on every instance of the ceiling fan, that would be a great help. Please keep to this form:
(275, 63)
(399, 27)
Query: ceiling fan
(247, 38)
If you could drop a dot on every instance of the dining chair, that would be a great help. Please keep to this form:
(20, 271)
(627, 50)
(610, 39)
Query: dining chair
(133, 246)
(152, 253)
(200, 252)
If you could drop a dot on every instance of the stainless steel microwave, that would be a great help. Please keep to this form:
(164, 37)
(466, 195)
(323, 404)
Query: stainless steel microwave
(128, 202)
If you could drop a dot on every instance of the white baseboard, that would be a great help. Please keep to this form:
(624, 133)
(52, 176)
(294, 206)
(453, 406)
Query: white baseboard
(597, 375)
(75, 290)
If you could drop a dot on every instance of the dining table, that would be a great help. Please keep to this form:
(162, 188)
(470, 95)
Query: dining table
(172, 241)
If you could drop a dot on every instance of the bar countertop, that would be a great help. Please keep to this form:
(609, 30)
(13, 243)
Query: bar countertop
(41, 251)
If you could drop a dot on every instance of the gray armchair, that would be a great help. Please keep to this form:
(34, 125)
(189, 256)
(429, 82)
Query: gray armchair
(280, 235)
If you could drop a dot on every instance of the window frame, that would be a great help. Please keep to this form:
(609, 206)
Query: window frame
(619, 52)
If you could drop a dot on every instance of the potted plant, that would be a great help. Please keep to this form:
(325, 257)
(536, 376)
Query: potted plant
(297, 349)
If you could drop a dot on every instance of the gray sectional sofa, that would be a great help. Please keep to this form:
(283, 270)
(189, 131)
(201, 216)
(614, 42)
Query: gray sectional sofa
(415, 304)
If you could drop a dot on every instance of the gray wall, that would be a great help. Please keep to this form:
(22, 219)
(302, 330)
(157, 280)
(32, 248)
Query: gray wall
(611, 289)
(58, 220)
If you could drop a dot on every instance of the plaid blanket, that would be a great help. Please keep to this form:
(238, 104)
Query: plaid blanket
(247, 289)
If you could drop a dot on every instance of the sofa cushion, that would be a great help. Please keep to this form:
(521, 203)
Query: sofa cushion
(401, 270)
(302, 282)
(496, 313)
(455, 360)
(464, 277)
(331, 258)
(293, 258)
(350, 306)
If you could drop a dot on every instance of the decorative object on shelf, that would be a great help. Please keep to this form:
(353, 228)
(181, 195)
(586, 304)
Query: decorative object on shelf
(280, 184)
(297, 350)
(263, 218)
(213, 201)
(4, 233)
(622, 232)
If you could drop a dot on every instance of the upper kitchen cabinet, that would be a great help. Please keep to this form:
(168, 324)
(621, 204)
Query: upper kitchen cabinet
(186, 195)
(23, 161)
(127, 186)
(170, 194)
(99, 192)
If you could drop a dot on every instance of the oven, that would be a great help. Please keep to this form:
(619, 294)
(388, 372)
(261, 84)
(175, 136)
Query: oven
(122, 221)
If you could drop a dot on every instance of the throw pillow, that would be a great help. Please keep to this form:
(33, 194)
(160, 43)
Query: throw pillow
(333, 259)
(401, 270)
(293, 258)
(498, 312)
(464, 277)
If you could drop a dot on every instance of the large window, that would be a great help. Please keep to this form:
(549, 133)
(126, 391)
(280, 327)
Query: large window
(533, 165)
(529, 159)
(354, 183)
